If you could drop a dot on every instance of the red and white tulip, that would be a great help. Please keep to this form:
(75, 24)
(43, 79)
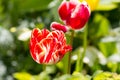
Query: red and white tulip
(48, 47)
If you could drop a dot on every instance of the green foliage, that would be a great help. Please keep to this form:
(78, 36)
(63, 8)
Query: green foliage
(99, 27)
(107, 48)
(107, 76)
(107, 5)
(64, 77)
(27, 76)
(98, 75)
(79, 76)
(74, 76)
(22, 76)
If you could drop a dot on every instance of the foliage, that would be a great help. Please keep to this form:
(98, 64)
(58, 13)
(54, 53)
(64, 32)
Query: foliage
(106, 76)
(18, 18)
(99, 75)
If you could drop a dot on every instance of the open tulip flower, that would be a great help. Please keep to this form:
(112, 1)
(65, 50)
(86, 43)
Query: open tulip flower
(74, 13)
(48, 47)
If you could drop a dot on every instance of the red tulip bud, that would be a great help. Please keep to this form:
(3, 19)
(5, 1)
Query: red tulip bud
(74, 13)
(58, 26)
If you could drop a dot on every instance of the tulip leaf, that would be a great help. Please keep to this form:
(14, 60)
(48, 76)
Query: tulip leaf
(22, 76)
(107, 7)
(107, 48)
(99, 27)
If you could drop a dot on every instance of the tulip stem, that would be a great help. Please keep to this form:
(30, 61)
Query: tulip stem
(69, 56)
(84, 46)
(44, 67)
(78, 62)
(81, 55)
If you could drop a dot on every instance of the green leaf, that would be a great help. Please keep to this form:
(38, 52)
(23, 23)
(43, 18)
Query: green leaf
(64, 77)
(22, 76)
(99, 27)
(112, 66)
(79, 76)
(107, 48)
(44, 76)
(106, 5)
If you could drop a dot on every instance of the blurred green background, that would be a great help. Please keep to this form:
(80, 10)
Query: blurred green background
(19, 17)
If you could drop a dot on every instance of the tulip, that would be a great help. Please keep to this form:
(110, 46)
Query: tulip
(48, 47)
(74, 13)
(58, 26)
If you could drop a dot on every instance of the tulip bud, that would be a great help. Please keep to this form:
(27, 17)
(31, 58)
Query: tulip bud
(58, 26)
(74, 13)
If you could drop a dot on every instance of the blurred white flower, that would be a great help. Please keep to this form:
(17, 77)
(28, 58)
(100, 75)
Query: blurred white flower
(2, 69)
(25, 35)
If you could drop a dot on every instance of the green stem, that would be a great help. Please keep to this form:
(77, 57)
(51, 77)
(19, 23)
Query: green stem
(84, 46)
(44, 67)
(79, 63)
(69, 56)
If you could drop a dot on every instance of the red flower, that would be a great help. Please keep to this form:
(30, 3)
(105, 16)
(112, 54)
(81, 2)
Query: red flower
(58, 26)
(74, 14)
(48, 47)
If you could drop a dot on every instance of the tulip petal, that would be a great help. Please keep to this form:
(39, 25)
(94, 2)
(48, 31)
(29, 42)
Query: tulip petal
(64, 10)
(36, 36)
(79, 17)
